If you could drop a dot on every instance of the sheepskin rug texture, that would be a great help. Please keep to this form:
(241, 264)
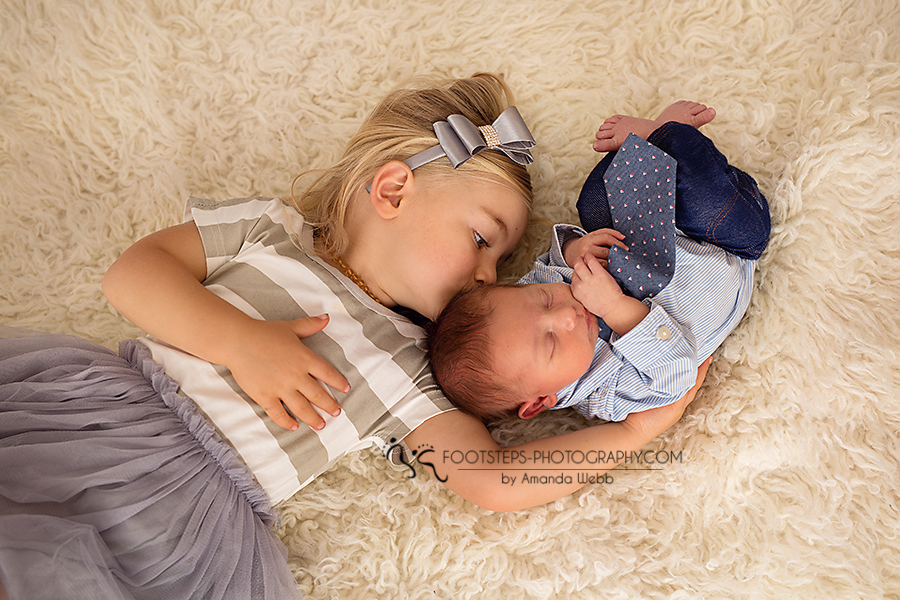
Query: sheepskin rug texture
(783, 476)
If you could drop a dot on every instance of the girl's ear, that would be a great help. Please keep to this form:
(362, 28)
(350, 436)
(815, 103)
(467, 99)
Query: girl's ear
(391, 184)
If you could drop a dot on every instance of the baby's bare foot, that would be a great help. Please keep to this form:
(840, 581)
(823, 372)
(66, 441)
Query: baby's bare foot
(687, 112)
(614, 130)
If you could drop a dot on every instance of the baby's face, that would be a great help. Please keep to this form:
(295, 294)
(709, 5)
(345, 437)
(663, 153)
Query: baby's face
(543, 338)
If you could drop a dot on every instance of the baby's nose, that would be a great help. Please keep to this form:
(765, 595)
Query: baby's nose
(566, 317)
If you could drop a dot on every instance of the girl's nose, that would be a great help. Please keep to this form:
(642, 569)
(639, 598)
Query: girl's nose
(486, 273)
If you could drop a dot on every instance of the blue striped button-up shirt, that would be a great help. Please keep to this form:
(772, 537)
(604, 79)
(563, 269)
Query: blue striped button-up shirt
(656, 362)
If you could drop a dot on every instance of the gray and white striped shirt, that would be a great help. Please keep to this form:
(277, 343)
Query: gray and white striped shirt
(255, 262)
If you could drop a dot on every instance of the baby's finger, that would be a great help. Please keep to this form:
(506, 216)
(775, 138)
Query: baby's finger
(602, 261)
(587, 266)
(591, 262)
(607, 231)
(599, 252)
(580, 270)
(608, 237)
(576, 276)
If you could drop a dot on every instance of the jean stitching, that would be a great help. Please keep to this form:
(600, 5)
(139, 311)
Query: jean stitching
(711, 230)
(757, 249)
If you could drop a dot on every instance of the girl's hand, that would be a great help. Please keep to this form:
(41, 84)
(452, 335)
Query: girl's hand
(456, 431)
(157, 285)
(278, 371)
(653, 422)
(595, 243)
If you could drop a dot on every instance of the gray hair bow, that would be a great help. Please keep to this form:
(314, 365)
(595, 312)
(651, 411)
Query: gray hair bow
(459, 140)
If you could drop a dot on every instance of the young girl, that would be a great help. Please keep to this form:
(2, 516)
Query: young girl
(115, 481)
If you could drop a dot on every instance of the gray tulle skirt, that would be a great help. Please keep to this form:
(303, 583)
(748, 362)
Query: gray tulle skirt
(112, 486)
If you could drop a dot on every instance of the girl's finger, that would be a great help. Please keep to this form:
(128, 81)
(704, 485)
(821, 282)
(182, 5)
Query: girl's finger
(279, 415)
(315, 393)
(318, 367)
(298, 403)
(322, 370)
(307, 326)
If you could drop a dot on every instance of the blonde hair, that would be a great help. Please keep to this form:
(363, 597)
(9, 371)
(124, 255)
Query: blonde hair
(399, 127)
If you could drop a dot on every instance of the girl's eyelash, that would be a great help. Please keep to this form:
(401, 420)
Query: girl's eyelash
(480, 241)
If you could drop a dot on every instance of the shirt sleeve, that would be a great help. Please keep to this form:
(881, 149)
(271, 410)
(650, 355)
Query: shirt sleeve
(551, 267)
(228, 227)
(652, 365)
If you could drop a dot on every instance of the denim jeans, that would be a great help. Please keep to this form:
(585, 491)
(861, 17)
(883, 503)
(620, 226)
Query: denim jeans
(714, 202)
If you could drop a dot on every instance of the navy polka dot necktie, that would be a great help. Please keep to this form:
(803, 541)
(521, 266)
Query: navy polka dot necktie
(640, 187)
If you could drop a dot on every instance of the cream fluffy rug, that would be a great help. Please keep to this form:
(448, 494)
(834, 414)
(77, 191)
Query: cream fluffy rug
(112, 112)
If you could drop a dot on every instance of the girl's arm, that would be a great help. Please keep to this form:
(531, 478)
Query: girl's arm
(157, 285)
(473, 465)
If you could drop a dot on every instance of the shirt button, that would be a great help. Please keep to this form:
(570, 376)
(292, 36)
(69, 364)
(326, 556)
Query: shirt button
(663, 333)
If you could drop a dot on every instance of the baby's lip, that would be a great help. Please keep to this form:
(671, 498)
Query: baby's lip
(590, 320)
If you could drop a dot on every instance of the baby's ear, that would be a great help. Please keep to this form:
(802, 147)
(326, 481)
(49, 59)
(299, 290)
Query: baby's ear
(391, 183)
(531, 408)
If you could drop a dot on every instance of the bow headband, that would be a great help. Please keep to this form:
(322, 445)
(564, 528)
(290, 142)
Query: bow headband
(459, 140)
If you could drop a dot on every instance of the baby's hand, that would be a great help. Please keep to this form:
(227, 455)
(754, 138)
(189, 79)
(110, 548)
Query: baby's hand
(595, 243)
(277, 370)
(594, 287)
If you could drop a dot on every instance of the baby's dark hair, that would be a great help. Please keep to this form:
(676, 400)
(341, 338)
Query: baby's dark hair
(459, 350)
